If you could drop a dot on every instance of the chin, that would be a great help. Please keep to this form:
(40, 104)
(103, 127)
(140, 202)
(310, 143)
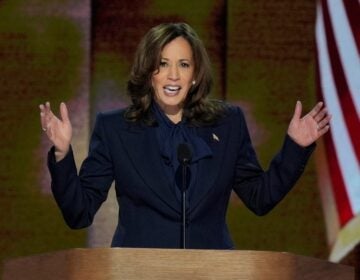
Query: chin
(173, 101)
(174, 105)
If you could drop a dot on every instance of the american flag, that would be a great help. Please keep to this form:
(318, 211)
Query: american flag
(338, 75)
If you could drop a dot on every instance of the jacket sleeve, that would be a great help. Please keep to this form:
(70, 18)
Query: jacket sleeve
(261, 190)
(80, 196)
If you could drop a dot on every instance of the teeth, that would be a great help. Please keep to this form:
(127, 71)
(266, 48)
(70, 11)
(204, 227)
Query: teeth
(172, 88)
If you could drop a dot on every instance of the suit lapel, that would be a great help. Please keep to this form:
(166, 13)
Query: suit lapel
(144, 153)
(216, 138)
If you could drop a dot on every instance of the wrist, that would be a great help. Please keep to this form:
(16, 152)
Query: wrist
(60, 154)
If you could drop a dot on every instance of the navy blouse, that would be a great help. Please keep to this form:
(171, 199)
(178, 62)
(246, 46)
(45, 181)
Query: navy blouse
(170, 136)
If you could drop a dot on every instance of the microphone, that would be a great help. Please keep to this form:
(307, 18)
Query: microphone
(184, 157)
(184, 153)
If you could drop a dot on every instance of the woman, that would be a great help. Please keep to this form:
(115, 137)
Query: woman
(137, 147)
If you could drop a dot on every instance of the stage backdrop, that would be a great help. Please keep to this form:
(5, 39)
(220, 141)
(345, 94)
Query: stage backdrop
(80, 52)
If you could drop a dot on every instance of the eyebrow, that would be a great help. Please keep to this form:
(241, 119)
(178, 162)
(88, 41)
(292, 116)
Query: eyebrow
(181, 59)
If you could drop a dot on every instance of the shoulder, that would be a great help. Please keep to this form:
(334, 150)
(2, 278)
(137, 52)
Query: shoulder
(116, 119)
(111, 119)
(230, 112)
(113, 115)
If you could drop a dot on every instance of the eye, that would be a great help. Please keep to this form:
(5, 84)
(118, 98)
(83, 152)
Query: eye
(163, 64)
(184, 64)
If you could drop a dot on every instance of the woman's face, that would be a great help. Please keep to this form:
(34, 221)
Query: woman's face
(173, 80)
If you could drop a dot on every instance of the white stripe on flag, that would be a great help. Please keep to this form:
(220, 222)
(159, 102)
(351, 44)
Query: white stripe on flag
(347, 49)
(346, 155)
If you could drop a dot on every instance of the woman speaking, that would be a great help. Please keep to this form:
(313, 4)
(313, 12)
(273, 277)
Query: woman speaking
(138, 148)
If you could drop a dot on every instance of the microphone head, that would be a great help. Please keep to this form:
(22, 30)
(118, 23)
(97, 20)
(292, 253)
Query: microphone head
(184, 153)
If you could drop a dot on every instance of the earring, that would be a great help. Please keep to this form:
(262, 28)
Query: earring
(193, 82)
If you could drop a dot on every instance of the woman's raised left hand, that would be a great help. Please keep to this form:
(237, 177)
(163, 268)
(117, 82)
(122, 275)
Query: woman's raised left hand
(306, 130)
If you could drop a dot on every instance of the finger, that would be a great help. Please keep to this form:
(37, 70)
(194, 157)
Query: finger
(323, 130)
(325, 122)
(46, 109)
(43, 110)
(64, 113)
(321, 115)
(298, 110)
(48, 113)
(316, 109)
(47, 106)
(45, 117)
(42, 117)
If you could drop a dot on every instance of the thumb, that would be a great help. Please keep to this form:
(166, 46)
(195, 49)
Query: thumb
(64, 113)
(298, 110)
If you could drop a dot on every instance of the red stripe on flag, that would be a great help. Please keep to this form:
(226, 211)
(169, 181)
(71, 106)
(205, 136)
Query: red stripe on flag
(352, 8)
(337, 181)
(347, 105)
(338, 185)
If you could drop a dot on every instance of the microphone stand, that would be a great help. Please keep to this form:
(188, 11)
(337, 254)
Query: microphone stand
(184, 165)
(184, 157)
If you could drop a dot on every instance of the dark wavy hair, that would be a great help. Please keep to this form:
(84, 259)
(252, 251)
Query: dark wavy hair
(198, 110)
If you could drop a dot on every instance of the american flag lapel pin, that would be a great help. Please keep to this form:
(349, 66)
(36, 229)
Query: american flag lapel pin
(215, 137)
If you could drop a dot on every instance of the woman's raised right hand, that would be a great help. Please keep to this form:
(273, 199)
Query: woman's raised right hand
(59, 131)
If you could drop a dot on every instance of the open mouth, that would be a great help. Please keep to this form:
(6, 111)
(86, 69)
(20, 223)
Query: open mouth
(172, 90)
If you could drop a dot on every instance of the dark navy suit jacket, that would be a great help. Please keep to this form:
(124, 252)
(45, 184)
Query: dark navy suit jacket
(150, 212)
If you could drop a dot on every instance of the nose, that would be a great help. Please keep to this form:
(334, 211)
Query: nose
(173, 73)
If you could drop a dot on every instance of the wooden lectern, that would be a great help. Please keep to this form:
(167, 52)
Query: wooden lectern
(125, 263)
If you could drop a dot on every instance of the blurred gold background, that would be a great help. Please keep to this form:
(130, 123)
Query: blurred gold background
(80, 52)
